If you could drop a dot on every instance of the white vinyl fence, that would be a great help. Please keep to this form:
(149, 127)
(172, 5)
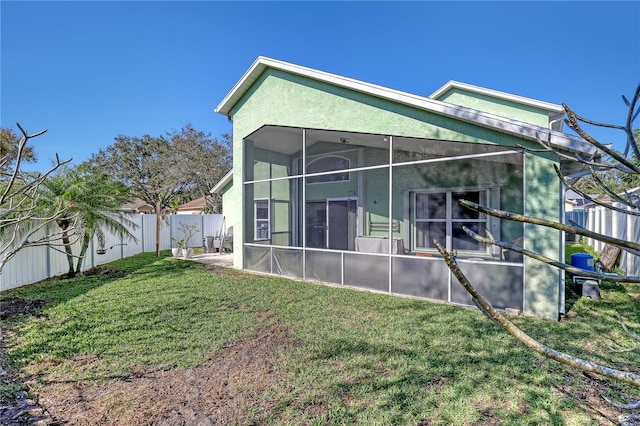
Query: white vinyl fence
(34, 264)
(614, 224)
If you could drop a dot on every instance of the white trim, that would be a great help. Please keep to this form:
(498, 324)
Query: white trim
(469, 115)
(390, 213)
(222, 182)
(524, 234)
(303, 211)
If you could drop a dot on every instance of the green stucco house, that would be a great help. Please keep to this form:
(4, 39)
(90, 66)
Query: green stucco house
(340, 181)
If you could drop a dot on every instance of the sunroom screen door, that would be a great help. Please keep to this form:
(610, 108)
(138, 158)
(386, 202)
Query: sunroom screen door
(342, 224)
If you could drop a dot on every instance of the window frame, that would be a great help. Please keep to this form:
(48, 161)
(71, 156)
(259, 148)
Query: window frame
(256, 220)
(327, 173)
(491, 197)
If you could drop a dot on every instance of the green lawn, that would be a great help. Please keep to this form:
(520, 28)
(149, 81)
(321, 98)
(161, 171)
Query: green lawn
(356, 357)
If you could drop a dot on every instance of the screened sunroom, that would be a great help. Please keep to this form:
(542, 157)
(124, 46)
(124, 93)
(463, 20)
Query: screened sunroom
(362, 210)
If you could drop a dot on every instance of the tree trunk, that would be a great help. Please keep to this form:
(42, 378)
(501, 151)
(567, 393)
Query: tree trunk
(83, 251)
(67, 247)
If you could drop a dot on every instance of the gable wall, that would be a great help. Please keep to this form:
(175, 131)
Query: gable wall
(279, 98)
(501, 107)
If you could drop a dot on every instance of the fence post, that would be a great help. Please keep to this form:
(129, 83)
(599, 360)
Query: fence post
(48, 261)
(171, 229)
(92, 248)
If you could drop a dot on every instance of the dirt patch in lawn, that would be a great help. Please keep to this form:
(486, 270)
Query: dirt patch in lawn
(12, 306)
(18, 407)
(107, 272)
(228, 389)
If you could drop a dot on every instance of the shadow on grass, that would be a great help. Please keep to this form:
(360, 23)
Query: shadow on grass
(450, 366)
(56, 290)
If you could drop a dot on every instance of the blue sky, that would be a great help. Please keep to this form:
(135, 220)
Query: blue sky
(89, 71)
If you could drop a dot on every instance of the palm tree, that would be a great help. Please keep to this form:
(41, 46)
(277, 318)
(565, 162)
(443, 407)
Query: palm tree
(92, 201)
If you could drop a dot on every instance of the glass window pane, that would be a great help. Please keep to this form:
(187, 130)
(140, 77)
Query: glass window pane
(436, 206)
(262, 230)
(328, 163)
(460, 239)
(431, 205)
(262, 210)
(426, 232)
(460, 212)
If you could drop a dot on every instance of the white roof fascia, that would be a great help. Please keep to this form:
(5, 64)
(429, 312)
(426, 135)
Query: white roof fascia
(452, 84)
(222, 182)
(502, 124)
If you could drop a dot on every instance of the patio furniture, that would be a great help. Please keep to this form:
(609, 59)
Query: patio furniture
(379, 245)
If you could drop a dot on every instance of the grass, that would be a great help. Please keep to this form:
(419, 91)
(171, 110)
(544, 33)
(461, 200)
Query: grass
(8, 388)
(579, 248)
(360, 358)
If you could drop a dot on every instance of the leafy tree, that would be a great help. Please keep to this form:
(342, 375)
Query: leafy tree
(206, 161)
(615, 180)
(631, 180)
(620, 164)
(21, 222)
(92, 204)
(10, 149)
(161, 170)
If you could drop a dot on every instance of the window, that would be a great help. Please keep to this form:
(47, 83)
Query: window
(262, 220)
(328, 164)
(439, 216)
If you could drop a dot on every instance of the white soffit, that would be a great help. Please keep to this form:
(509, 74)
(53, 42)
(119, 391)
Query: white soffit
(480, 118)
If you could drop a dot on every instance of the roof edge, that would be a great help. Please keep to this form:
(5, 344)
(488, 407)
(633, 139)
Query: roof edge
(481, 118)
(222, 182)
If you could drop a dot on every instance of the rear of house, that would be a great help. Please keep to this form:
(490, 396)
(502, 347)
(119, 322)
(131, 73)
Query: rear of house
(340, 181)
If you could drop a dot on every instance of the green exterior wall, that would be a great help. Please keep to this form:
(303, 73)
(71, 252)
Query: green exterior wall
(501, 107)
(230, 209)
(279, 98)
(543, 200)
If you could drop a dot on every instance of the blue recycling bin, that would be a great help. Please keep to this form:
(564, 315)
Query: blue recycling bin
(582, 261)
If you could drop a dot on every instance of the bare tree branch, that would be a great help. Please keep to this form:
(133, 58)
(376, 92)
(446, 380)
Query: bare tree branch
(549, 261)
(531, 343)
(630, 406)
(621, 158)
(629, 245)
(572, 187)
(619, 162)
(20, 218)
